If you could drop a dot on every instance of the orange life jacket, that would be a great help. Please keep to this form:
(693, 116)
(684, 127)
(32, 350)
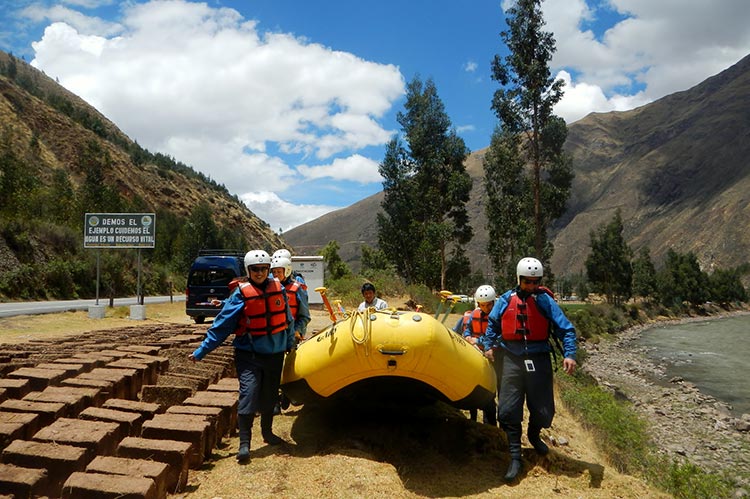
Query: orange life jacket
(291, 295)
(265, 311)
(522, 319)
(479, 323)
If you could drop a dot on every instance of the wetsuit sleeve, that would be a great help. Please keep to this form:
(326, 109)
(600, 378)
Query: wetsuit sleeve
(303, 312)
(562, 328)
(493, 334)
(457, 327)
(224, 324)
(290, 341)
(467, 328)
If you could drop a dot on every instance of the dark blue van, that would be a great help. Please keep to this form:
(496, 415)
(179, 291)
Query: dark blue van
(209, 279)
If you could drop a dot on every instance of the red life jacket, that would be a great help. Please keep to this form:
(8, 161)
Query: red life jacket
(265, 311)
(291, 295)
(522, 319)
(479, 323)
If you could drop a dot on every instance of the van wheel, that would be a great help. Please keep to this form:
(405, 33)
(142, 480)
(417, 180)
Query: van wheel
(199, 319)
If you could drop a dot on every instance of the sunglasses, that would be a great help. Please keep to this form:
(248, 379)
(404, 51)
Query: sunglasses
(530, 281)
(258, 268)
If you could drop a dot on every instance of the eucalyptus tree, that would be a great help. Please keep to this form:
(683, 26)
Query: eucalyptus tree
(424, 222)
(527, 173)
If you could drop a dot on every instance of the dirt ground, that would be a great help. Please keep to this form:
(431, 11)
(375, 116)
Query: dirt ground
(338, 451)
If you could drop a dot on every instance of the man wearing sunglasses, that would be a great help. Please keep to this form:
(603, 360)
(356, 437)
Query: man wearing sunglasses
(519, 326)
(258, 313)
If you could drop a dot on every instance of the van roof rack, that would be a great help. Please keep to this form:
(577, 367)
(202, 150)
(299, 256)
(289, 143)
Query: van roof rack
(220, 252)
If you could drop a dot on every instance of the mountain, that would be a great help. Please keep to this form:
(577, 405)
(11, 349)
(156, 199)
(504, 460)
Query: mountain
(51, 130)
(677, 168)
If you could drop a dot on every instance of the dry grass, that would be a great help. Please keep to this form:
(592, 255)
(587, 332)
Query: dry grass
(338, 451)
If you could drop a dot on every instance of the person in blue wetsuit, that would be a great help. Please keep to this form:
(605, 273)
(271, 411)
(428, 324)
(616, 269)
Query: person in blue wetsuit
(257, 313)
(520, 324)
(474, 328)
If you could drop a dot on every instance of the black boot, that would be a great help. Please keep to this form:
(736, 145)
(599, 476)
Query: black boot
(536, 440)
(245, 422)
(266, 421)
(514, 446)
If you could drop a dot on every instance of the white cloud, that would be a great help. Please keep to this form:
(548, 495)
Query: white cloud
(470, 67)
(356, 168)
(83, 24)
(661, 47)
(284, 215)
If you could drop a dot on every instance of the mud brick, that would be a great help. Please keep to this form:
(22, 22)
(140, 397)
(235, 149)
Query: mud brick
(22, 482)
(3, 394)
(217, 399)
(212, 434)
(146, 409)
(134, 467)
(100, 486)
(199, 383)
(212, 414)
(133, 378)
(47, 411)
(95, 360)
(165, 395)
(162, 363)
(39, 379)
(59, 461)
(147, 374)
(70, 369)
(172, 452)
(15, 388)
(122, 380)
(223, 387)
(234, 383)
(181, 428)
(128, 423)
(144, 349)
(107, 388)
(74, 403)
(181, 339)
(29, 421)
(88, 364)
(92, 396)
(115, 354)
(99, 437)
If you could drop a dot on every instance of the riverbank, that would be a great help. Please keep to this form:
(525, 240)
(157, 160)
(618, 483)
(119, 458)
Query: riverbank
(684, 423)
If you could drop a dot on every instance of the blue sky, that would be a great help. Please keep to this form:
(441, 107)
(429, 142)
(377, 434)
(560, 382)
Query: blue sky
(290, 103)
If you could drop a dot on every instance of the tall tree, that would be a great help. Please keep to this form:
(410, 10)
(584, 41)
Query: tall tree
(526, 171)
(644, 275)
(609, 267)
(426, 188)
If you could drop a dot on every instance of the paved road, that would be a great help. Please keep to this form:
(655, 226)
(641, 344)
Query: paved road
(51, 307)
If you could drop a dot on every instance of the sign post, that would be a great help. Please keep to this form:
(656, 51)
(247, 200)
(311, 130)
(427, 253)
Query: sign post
(120, 230)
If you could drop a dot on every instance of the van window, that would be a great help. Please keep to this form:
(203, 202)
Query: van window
(211, 277)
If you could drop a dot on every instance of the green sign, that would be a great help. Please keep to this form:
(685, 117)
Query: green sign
(119, 230)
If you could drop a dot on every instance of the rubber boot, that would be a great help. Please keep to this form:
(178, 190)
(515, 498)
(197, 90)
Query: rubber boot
(536, 440)
(245, 422)
(473, 414)
(514, 445)
(266, 422)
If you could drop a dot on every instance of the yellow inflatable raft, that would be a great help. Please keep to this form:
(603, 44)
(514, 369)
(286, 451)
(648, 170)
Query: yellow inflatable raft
(396, 355)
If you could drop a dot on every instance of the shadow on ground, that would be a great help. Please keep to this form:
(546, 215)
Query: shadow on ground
(434, 448)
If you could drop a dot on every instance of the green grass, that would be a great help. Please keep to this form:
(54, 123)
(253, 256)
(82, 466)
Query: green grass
(622, 435)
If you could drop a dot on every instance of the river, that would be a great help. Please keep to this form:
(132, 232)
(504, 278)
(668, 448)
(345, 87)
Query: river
(711, 354)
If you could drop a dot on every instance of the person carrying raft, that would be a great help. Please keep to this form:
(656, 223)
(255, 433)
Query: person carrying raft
(521, 323)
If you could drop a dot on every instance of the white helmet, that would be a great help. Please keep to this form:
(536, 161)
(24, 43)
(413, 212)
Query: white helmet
(484, 294)
(256, 257)
(282, 252)
(283, 263)
(529, 267)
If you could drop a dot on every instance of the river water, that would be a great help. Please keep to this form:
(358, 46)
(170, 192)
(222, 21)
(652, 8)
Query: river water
(714, 355)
